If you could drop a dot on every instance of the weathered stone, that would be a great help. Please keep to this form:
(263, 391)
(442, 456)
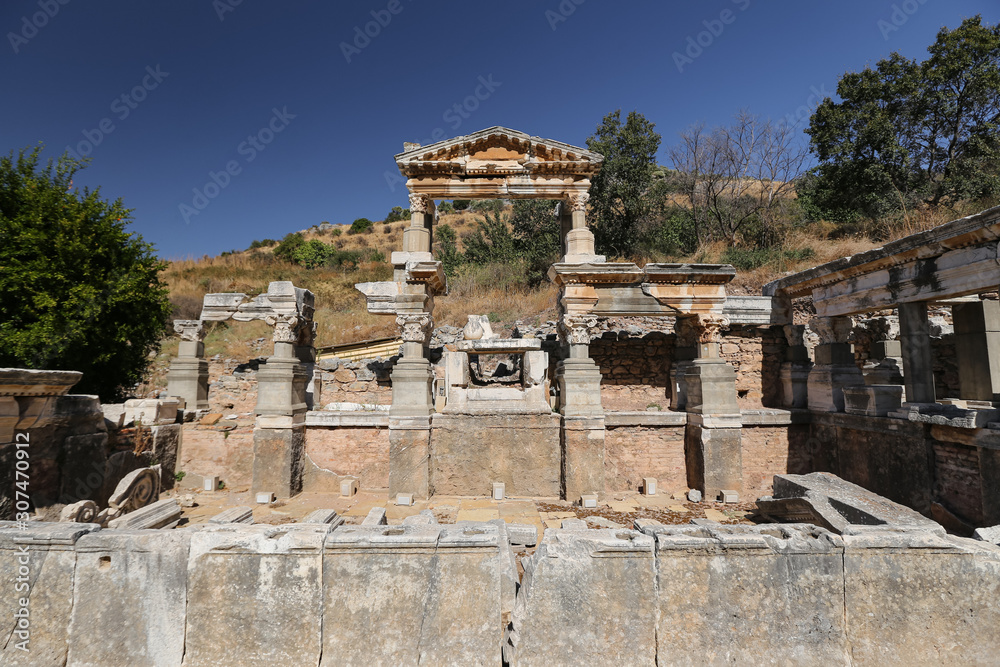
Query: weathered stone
(434, 593)
(129, 598)
(424, 518)
(329, 517)
(750, 595)
(47, 580)
(522, 533)
(255, 595)
(278, 460)
(164, 513)
(234, 515)
(586, 598)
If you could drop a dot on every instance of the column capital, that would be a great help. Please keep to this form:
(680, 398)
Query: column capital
(192, 330)
(285, 327)
(795, 334)
(415, 328)
(832, 329)
(419, 203)
(579, 329)
(702, 328)
(578, 201)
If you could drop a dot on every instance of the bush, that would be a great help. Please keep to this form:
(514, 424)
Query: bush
(78, 290)
(461, 204)
(289, 244)
(360, 225)
(266, 243)
(748, 259)
(397, 214)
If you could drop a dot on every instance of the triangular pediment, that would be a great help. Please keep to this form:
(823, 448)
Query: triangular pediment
(497, 151)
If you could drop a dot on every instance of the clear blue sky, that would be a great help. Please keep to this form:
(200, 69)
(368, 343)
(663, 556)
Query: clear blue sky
(199, 78)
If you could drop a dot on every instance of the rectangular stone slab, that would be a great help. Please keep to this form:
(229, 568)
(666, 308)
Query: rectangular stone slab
(51, 563)
(255, 595)
(129, 598)
(750, 595)
(587, 598)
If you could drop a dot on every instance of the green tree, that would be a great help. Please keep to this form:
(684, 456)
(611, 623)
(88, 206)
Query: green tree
(448, 253)
(78, 291)
(289, 244)
(314, 253)
(492, 241)
(908, 132)
(360, 226)
(619, 194)
(527, 237)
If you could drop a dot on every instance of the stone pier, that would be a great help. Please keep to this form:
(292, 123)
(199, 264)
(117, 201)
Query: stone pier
(188, 375)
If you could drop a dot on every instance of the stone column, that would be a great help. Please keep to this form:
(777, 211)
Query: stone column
(977, 346)
(188, 375)
(834, 366)
(795, 369)
(417, 237)
(915, 340)
(713, 435)
(579, 241)
(412, 406)
(279, 439)
(579, 381)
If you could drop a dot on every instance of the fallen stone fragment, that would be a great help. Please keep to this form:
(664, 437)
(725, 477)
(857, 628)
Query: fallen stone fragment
(376, 517)
(161, 514)
(329, 517)
(601, 522)
(234, 515)
(574, 524)
(991, 534)
(522, 533)
(425, 518)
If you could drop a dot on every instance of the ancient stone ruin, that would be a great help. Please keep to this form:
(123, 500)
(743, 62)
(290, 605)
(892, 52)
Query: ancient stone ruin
(868, 433)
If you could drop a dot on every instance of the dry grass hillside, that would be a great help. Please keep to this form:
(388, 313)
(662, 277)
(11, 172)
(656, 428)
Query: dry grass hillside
(492, 290)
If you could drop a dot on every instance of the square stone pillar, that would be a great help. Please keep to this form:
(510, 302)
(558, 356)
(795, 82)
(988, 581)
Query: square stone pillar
(834, 366)
(915, 344)
(188, 375)
(713, 442)
(795, 369)
(578, 242)
(977, 346)
(579, 382)
(412, 406)
(278, 436)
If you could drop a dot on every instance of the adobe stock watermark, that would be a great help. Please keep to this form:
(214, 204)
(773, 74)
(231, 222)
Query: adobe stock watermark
(249, 149)
(223, 7)
(562, 12)
(697, 43)
(804, 111)
(363, 35)
(21, 636)
(454, 116)
(37, 21)
(121, 107)
(901, 13)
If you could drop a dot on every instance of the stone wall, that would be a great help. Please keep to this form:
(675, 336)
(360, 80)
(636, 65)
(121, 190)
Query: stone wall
(351, 451)
(447, 594)
(224, 450)
(634, 452)
(767, 452)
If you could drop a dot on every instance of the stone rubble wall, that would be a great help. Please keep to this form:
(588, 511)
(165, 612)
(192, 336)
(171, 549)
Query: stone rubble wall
(304, 594)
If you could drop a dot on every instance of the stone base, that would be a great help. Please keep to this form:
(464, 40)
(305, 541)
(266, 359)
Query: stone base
(469, 454)
(278, 460)
(826, 385)
(582, 456)
(874, 400)
(281, 387)
(409, 447)
(714, 459)
(188, 379)
(795, 384)
(711, 387)
(579, 388)
(411, 388)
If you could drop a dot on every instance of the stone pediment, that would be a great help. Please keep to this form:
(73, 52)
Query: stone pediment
(497, 151)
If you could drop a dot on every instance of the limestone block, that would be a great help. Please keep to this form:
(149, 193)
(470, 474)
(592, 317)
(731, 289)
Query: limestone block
(872, 400)
(404, 499)
(536, 367)
(151, 411)
(826, 384)
(234, 515)
(376, 517)
(348, 487)
(38, 563)
(424, 518)
(329, 517)
(714, 459)
(255, 595)
(164, 513)
(750, 595)
(649, 486)
(409, 456)
(522, 533)
(30, 382)
(918, 598)
(587, 598)
(130, 596)
(583, 456)
(377, 577)
(278, 455)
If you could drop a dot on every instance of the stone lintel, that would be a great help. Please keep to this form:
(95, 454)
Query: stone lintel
(30, 382)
